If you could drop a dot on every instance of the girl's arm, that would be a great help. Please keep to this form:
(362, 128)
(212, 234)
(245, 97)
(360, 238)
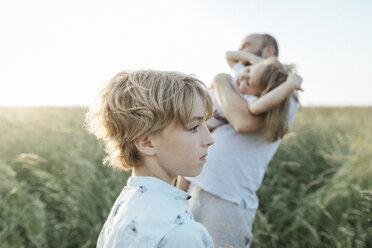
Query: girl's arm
(235, 107)
(234, 57)
(276, 96)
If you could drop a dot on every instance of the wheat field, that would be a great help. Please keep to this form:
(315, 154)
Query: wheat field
(54, 191)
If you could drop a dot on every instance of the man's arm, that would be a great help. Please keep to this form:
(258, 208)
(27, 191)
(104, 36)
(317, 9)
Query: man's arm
(277, 95)
(234, 57)
(234, 107)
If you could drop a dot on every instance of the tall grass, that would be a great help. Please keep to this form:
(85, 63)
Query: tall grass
(54, 191)
(318, 188)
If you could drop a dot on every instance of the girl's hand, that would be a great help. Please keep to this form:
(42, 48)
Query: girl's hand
(252, 58)
(242, 57)
(295, 80)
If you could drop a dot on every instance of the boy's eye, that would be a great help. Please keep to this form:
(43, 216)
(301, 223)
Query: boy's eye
(194, 128)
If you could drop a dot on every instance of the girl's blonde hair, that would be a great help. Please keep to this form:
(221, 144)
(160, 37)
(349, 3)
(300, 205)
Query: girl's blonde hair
(276, 119)
(134, 105)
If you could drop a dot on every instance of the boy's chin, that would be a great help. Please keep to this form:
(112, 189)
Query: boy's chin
(194, 173)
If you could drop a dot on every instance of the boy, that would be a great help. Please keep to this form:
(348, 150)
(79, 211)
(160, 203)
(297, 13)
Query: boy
(155, 124)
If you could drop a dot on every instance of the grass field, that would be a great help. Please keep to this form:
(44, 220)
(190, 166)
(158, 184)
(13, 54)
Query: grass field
(54, 192)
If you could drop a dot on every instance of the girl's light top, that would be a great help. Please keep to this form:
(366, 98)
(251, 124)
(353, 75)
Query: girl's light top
(152, 213)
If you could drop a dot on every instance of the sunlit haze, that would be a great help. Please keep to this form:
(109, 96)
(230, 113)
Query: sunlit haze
(62, 52)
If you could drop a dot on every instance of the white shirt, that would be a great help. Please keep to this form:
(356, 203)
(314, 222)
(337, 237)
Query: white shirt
(236, 163)
(152, 213)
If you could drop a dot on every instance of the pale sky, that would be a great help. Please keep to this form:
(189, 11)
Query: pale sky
(63, 52)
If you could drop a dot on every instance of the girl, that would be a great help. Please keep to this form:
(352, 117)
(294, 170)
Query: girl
(256, 84)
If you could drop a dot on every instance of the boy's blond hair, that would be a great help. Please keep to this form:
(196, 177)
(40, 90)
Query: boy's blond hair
(134, 105)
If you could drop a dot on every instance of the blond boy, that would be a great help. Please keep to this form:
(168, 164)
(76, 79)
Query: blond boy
(154, 123)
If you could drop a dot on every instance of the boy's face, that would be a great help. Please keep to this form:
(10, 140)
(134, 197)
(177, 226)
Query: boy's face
(181, 151)
(248, 81)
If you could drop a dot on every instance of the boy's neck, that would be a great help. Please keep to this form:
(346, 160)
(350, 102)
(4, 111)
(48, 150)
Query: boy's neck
(155, 171)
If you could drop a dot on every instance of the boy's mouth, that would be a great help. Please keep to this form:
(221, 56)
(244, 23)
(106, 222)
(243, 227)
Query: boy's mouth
(204, 157)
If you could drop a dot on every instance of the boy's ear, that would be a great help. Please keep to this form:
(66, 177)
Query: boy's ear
(145, 146)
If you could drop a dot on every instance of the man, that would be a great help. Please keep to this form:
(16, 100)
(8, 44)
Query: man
(263, 45)
(224, 195)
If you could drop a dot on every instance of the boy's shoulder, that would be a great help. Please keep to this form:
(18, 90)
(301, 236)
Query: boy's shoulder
(145, 213)
(156, 202)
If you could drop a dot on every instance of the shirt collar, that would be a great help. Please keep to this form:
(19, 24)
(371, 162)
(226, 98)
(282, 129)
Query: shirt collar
(158, 184)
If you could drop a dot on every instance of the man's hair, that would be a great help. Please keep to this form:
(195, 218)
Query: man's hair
(134, 105)
(276, 119)
(268, 40)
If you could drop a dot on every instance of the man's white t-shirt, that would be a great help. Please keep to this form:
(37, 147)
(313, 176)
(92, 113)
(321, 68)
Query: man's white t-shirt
(236, 163)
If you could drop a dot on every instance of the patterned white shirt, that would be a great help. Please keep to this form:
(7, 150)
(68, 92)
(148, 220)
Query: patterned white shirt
(151, 213)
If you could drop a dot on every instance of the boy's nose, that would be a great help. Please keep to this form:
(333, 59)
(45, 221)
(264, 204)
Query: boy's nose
(208, 139)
